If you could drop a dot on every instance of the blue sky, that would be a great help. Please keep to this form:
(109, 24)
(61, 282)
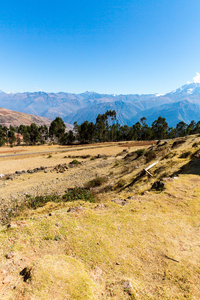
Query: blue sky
(107, 46)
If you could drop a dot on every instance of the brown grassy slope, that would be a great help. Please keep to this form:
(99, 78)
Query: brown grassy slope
(14, 118)
(153, 241)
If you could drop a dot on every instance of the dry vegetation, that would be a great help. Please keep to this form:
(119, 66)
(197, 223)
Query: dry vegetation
(125, 241)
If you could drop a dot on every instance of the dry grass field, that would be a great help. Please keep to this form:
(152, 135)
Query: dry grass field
(129, 242)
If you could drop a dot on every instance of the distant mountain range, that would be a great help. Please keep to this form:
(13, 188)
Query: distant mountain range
(182, 104)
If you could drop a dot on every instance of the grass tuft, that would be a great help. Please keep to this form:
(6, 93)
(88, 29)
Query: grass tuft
(98, 181)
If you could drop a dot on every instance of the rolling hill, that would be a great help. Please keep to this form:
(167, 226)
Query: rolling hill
(14, 118)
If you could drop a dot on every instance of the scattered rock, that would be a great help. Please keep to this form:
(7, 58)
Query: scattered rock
(8, 279)
(18, 172)
(161, 143)
(146, 193)
(26, 273)
(30, 171)
(96, 273)
(158, 185)
(10, 255)
(61, 168)
(76, 209)
(120, 201)
(9, 176)
(128, 287)
(100, 206)
(16, 224)
(178, 143)
(167, 179)
(134, 197)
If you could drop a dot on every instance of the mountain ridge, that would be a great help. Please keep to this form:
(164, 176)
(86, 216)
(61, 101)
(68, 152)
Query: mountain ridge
(86, 106)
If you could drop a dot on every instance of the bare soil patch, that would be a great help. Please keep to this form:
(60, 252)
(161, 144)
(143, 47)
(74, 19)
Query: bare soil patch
(139, 143)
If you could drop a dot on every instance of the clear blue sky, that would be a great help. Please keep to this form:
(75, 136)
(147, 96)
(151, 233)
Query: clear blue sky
(107, 46)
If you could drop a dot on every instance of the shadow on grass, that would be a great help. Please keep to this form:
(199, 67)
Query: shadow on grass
(192, 167)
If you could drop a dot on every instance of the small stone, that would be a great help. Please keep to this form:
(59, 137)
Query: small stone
(100, 206)
(117, 263)
(96, 273)
(120, 201)
(10, 255)
(76, 209)
(8, 279)
(158, 185)
(127, 286)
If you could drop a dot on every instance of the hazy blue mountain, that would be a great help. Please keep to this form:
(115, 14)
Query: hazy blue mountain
(86, 106)
(125, 111)
(173, 113)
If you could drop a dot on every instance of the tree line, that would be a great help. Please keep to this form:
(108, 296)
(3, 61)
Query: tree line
(105, 129)
(108, 129)
(36, 135)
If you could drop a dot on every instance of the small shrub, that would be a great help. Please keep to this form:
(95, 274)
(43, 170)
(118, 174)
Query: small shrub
(39, 201)
(78, 193)
(116, 164)
(195, 144)
(56, 237)
(140, 152)
(75, 162)
(121, 183)
(122, 152)
(150, 155)
(92, 158)
(49, 156)
(98, 181)
(185, 154)
(178, 143)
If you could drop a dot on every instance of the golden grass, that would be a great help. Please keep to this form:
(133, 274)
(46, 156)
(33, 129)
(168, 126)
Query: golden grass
(153, 241)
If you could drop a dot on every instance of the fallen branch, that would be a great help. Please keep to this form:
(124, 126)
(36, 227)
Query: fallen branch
(171, 258)
(149, 167)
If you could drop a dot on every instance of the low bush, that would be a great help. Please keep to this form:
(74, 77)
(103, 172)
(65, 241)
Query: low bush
(140, 152)
(185, 154)
(150, 155)
(121, 183)
(39, 201)
(116, 164)
(74, 194)
(78, 193)
(195, 144)
(98, 181)
(75, 162)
